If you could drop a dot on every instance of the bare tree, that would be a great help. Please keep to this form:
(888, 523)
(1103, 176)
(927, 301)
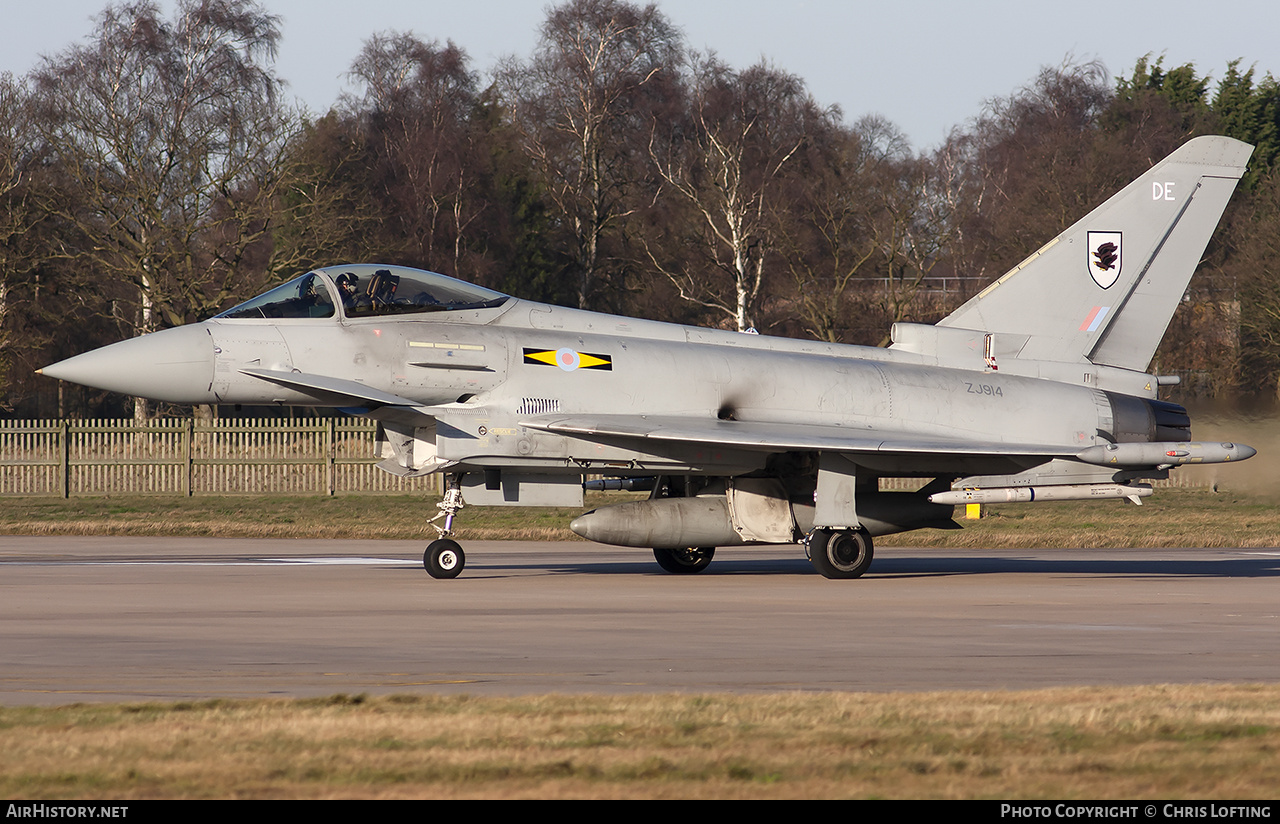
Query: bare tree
(1253, 240)
(17, 214)
(871, 226)
(1041, 159)
(171, 137)
(745, 132)
(598, 71)
(416, 109)
(914, 233)
(832, 250)
(324, 212)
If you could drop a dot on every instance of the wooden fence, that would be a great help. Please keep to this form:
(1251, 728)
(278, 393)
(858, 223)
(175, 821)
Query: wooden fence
(228, 456)
(186, 457)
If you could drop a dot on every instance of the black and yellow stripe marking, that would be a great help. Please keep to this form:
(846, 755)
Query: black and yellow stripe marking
(568, 359)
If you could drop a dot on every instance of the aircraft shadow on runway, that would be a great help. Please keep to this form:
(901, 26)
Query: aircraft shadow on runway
(925, 566)
(1250, 567)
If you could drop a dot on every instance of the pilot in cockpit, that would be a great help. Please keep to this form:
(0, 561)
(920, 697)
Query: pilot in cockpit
(347, 286)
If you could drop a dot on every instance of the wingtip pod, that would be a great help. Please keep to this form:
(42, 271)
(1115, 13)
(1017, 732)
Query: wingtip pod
(1165, 454)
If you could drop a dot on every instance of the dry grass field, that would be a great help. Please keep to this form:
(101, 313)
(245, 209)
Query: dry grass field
(1171, 517)
(1162, 742)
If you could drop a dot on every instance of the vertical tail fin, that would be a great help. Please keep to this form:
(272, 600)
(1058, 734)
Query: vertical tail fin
(1106, 288)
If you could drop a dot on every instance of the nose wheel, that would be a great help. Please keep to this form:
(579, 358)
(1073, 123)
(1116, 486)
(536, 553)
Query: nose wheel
(444, 559)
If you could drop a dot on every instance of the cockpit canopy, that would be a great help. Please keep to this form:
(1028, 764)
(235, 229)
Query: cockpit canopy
(366, 290)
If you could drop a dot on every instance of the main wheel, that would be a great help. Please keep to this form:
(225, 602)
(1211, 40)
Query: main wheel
(840, 553)
(444, 559)
(684, 561)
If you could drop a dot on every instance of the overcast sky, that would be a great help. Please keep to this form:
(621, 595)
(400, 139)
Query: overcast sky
(926, 65)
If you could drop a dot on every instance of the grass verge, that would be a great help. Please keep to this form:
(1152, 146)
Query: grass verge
(1159, 742)
(1172, 517)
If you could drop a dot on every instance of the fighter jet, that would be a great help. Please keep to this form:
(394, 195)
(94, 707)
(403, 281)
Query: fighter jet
(1036, 389)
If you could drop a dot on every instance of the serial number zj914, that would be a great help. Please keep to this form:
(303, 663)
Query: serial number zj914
(983, 389)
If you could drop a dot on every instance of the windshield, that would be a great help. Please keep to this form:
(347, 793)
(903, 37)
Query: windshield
(366, 290)
(303, 297)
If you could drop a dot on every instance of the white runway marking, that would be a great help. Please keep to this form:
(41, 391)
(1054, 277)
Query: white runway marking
(337, 561)
(228, 562)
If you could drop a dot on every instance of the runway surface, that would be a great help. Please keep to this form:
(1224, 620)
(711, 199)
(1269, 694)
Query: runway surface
(107, 619)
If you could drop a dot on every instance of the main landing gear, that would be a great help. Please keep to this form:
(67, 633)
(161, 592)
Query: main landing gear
(444, 558)
(840, 553)
(684, 561)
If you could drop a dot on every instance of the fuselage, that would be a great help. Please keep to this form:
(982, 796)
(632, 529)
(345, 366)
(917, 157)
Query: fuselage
(487, 367)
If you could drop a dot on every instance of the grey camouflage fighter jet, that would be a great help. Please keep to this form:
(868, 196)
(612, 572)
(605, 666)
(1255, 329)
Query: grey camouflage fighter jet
(1034, 390)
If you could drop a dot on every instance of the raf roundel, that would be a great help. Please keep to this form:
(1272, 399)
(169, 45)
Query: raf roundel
(567, 359)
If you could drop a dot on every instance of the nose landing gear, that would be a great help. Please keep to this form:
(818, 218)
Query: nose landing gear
(444, 557)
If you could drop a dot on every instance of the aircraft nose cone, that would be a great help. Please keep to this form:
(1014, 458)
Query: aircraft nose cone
(174, 365)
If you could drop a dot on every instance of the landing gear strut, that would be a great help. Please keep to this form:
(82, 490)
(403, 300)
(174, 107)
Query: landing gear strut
(444, 557)
(840, 553)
